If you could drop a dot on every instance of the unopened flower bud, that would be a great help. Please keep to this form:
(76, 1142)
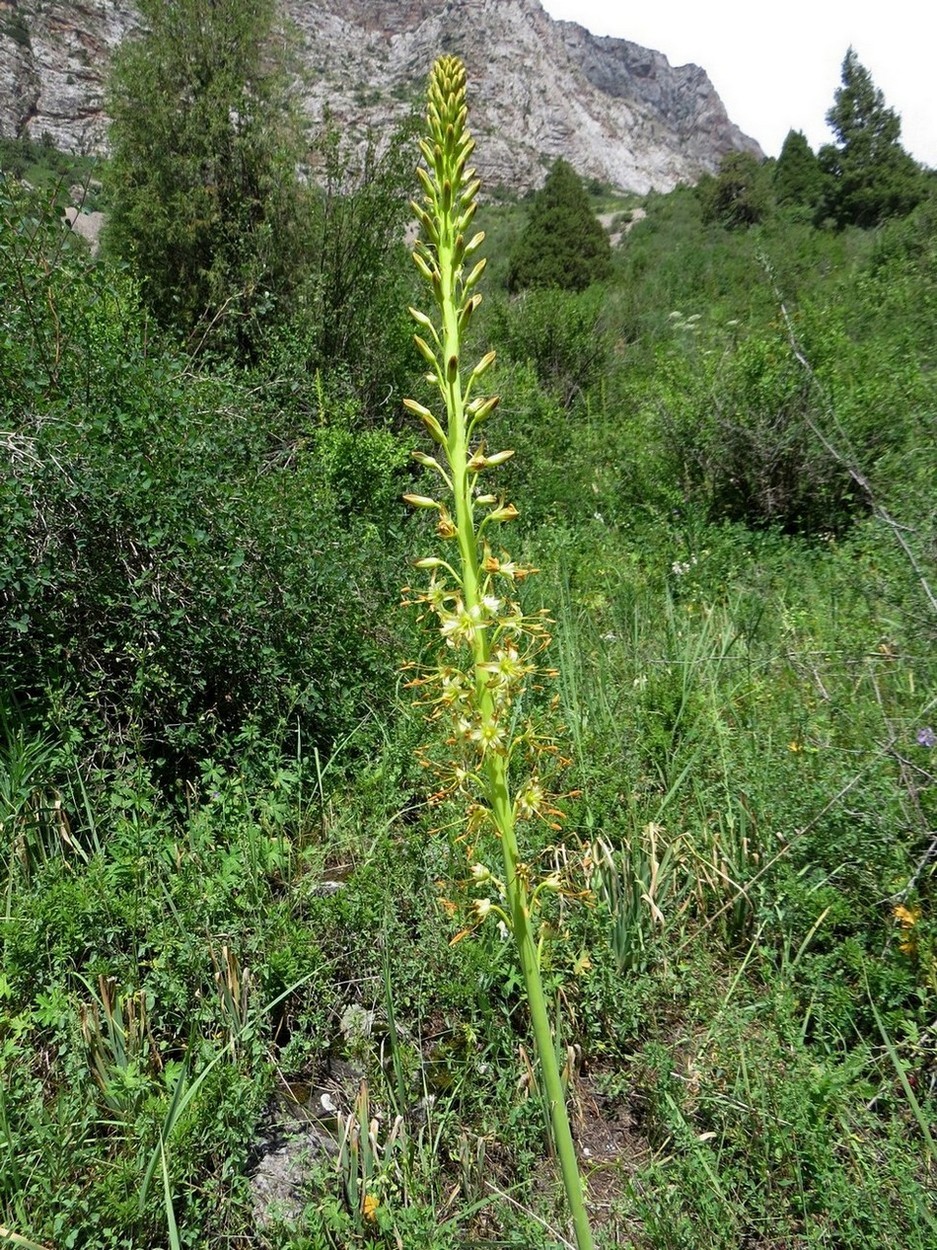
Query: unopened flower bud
(480, 409)
(424, 349)
(421, 501)
(484, 364)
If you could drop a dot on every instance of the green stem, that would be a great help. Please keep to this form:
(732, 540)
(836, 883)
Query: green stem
(499, 799)
(516, 888)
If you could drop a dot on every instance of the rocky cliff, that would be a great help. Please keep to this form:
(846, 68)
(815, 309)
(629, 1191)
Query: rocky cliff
(539, 88)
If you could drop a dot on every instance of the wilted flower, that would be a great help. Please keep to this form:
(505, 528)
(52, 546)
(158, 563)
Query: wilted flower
(907, 917)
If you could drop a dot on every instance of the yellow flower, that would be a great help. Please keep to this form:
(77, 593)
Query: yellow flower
(452, 686)
(907, 917)
(458, 626)
(795, 746)
(530, 801)
(489, 735)
(505, 667)
(369, 1207)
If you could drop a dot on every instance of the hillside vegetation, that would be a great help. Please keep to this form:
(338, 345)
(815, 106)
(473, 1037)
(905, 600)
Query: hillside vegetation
(227, 902)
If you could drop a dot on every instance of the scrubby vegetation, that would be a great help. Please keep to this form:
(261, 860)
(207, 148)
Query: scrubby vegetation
(226, 900)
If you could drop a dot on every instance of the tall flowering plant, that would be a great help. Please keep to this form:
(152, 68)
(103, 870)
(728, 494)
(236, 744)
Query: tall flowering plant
(490, 648)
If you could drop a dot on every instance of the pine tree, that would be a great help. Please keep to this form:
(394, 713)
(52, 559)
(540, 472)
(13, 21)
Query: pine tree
(798, 179)
(204, 147)
(563, 245)
(870, 176)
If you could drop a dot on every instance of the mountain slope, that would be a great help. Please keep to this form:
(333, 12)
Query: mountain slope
(539, 88)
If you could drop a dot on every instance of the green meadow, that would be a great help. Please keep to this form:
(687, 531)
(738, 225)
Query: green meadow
(229, 884)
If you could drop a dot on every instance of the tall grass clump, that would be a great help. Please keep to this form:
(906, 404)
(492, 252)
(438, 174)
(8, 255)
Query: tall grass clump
(495, 759)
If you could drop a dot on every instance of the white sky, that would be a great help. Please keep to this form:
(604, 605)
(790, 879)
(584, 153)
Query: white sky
(776, 65)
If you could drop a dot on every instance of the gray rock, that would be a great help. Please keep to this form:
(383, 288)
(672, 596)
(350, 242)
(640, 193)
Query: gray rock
(87, 225)
(538, 88)
(293, 1143)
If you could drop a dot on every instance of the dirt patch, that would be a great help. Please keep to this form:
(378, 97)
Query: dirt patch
(616, 236)
(610, 1148)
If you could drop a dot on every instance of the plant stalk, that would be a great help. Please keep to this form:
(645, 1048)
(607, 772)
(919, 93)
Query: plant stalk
(449, 206)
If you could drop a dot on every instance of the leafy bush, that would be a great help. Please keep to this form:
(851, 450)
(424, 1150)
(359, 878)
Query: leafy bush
(205, 142)
(559, 333)
(169, 569)
(739, 195)
(737, 429)
(348, 316)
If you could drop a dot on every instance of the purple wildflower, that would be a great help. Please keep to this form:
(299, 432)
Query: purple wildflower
(926, 737)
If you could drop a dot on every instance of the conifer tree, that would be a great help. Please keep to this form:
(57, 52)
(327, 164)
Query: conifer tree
(870, 176)
(204, 148)
(798, 179)
(563, 245)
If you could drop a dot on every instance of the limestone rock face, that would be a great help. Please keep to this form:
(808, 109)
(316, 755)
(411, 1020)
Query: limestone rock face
(53, 62)
(538, 88)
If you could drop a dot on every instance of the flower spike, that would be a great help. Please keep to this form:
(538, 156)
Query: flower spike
(489, 645)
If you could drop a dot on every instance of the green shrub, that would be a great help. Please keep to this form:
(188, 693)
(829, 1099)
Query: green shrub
(169, 569)
(205, 139)
(560, 333)
(738, 435)
(739, 195)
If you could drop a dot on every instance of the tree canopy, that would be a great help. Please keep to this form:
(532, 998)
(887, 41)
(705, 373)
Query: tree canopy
(869, 175)
(798, 179)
